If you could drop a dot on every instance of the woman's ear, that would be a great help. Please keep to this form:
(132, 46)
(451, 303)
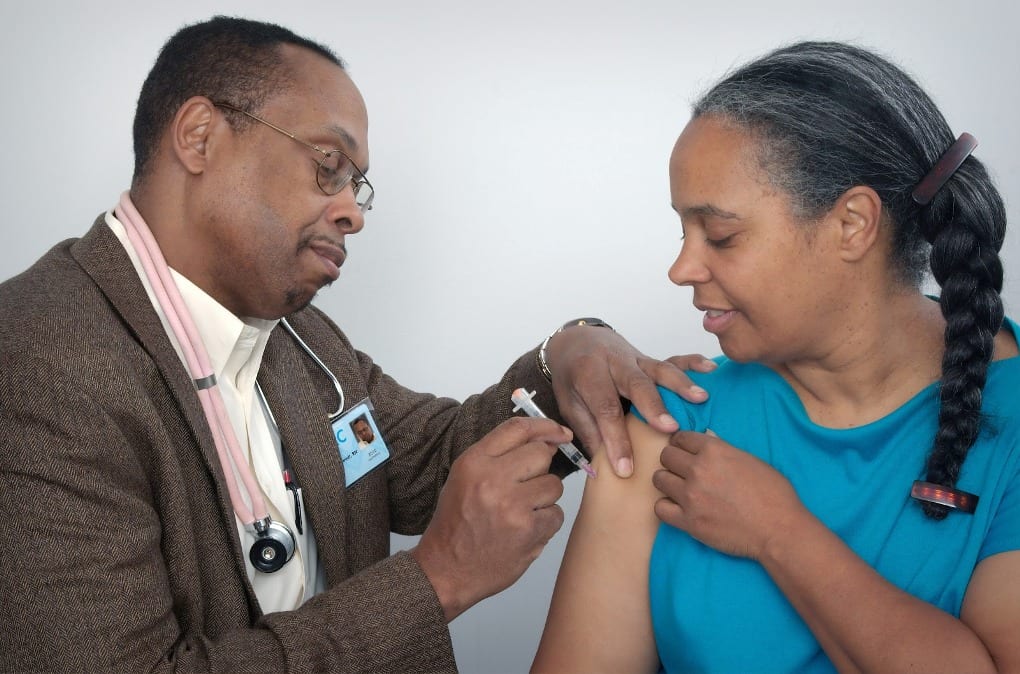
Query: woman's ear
(189, 133)
(859, 216)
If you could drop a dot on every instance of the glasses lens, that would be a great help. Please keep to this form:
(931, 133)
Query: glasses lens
(335, 171)
(363, 194)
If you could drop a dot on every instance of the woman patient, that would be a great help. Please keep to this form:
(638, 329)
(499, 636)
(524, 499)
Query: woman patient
(849, 496)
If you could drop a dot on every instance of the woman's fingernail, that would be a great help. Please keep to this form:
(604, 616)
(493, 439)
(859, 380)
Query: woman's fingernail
(709, 365)
(668, 421)
(624, 467)
(698, 392)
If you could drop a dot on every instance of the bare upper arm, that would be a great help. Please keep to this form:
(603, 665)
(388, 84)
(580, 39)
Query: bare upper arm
(599, 619)
(991, 608)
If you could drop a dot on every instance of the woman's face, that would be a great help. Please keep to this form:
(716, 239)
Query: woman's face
(767, 282)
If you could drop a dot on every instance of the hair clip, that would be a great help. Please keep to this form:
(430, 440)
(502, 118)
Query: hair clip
(944, 168)
(963, 501)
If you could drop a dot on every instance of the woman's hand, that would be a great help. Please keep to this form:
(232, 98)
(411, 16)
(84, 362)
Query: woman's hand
(723, 496)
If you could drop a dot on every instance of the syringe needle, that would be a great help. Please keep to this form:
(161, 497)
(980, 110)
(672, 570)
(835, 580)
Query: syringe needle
(523, 401)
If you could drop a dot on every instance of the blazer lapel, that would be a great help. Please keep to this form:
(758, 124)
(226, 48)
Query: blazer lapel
(301, 410)
(104, 259)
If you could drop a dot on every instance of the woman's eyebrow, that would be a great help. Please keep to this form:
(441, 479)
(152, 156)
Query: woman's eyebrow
(706, 210)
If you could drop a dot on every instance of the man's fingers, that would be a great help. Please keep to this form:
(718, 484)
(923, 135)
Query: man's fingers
(518, 431)
(672, 374)
(593, 409)
(579, 417)
(605, 429)
(548, 521)
(618, 448)
(602, 367)
(609, 420)
(542, 491)
(643, 394)
(527, 461)
(693, 361)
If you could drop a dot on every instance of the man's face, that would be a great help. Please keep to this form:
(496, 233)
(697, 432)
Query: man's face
(363, 431)
(270, 237)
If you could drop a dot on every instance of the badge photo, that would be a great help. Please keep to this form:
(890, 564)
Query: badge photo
(359, 442)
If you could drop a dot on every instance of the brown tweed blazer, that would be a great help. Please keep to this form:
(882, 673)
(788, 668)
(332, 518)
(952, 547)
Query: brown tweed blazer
(118, 549)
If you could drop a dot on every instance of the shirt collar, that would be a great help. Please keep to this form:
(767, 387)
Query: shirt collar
(235, 345)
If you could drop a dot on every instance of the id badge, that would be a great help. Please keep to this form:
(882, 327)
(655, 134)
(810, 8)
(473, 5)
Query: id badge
(359, 441)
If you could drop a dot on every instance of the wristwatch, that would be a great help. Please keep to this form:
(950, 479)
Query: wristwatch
(543, 364)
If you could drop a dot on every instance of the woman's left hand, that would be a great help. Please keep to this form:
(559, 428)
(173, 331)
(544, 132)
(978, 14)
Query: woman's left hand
(723, 496)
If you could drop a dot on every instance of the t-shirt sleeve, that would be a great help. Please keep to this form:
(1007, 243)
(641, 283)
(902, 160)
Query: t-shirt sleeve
(679, 409)
(1004, 532)
(695, 416)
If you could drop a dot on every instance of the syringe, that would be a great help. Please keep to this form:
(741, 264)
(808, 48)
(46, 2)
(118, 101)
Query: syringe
(523, 401)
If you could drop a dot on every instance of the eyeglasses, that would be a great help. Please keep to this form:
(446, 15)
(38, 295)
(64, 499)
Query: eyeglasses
(335, 169)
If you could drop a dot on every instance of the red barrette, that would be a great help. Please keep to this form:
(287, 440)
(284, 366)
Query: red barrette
(963, 501)
(944, 168)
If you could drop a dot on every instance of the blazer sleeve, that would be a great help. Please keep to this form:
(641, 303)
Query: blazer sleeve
(89, 542)
(107, 568)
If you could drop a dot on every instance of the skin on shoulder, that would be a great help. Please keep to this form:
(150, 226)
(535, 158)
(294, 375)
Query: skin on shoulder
(599, 618)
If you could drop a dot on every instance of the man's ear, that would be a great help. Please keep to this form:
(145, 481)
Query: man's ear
(189, 133)
(859, 217)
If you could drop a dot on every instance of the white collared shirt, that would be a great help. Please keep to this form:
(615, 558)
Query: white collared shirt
(235, 349)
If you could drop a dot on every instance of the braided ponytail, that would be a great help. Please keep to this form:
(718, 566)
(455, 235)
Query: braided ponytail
(966, 222)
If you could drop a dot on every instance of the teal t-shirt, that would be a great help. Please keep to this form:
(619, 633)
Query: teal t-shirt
(715, 613)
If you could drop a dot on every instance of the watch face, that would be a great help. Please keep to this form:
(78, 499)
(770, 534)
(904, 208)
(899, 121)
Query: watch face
(587, 320)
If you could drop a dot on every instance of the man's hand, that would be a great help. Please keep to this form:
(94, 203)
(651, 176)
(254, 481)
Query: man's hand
(593, 367)
(496, 512)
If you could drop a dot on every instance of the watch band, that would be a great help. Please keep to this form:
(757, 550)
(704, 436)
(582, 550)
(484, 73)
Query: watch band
(543, 364)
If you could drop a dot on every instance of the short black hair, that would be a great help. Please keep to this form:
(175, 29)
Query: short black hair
(225, 58)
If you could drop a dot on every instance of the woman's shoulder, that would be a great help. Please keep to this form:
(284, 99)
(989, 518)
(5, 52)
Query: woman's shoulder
(730, 384)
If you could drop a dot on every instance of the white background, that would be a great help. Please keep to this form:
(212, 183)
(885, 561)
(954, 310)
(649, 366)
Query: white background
(519, 154)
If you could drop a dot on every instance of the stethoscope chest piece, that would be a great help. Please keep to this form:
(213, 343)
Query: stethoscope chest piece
(273, 546)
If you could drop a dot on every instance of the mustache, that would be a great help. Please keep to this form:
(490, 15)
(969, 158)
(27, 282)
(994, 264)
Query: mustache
(323, 238)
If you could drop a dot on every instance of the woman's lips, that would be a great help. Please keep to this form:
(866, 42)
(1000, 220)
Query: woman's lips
(716, 320)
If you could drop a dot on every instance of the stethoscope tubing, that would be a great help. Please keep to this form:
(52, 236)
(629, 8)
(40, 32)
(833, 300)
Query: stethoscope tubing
(322, 366)
(197, 361)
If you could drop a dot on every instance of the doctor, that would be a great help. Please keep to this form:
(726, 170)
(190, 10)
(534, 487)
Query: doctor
(172, 492)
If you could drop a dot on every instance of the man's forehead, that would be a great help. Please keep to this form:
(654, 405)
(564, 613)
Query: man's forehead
(314, 72)
(323, 98)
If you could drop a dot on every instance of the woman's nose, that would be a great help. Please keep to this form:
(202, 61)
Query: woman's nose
(688, 268)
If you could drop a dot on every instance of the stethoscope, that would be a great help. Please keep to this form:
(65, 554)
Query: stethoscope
(274, 542)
